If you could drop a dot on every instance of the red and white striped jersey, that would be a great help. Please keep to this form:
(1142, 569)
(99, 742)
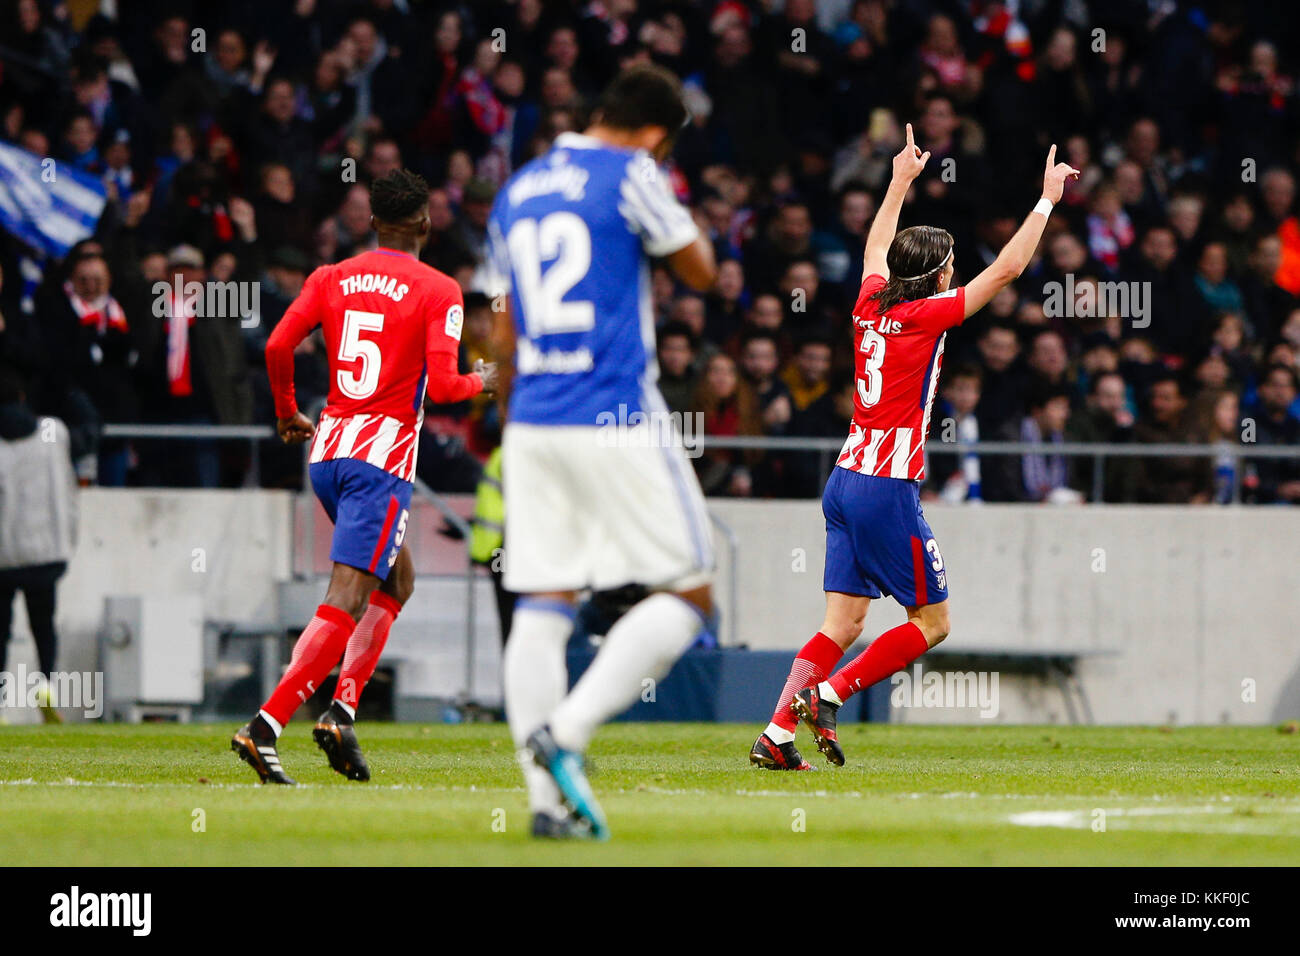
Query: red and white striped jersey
(896, 363)
(377, 439)
(392, 329)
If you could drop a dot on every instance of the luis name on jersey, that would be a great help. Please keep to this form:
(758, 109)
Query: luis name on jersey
(881, 325)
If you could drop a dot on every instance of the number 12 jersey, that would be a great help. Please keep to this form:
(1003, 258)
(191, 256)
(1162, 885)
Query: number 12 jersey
(570, 234)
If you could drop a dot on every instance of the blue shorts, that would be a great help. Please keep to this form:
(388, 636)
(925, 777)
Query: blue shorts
(369, 508)
(878, 541)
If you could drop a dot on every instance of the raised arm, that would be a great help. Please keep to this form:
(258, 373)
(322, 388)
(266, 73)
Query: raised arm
(1015, 255)
(907, 166)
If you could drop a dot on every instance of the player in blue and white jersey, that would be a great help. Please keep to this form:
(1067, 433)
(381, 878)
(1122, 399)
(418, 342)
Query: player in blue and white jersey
(598, 490)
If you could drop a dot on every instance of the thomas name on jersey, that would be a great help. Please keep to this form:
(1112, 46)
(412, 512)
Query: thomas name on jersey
(371, 282)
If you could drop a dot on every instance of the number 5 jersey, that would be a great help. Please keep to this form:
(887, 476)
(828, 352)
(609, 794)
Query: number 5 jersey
(392, 330)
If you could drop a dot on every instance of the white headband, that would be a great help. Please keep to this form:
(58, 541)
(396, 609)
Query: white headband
(931, 272)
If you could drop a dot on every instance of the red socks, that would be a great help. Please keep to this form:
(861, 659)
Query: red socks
(364, 647)
(319, 648)
(812, 665)
(890, 652)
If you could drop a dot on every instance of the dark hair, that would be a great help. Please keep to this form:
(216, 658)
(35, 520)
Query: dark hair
(964, 370)
(643, 95)
(1100, 376)
(675, 329)
(476, 300)
(398, 196)
(1160, 378)
(1041, 393)
(1042, 332)
(88, 66)
(915, 259)
(813, 339)
(1000, 327)
(381, 141)
(1286, 370)
(759, 335)
(853, 186)
(12, 387)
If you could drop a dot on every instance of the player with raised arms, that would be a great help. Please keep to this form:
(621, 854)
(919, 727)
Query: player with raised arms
(877, 539)
(392, 330)
(598, 490)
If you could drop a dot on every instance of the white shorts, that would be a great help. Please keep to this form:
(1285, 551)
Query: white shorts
(584, 512)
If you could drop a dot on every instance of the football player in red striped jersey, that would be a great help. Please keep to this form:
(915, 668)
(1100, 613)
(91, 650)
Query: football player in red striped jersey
(878, 542)
(392, 330)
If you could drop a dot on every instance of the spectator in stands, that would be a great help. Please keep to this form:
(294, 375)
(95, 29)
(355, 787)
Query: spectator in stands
(265, 141)
(1172, 301)
(726, 303)
(956, 477)
(760, 360)
(1217, 291)
(677, 376)
(807, 376)
(1045, 476)
(1104, 418)
(38, 519)
(1110, 231)
(1004, 379)
(1216, 420)
(93, 351)
(729, 408)
(1176, 479)
(1275, 481)
(1048, 361)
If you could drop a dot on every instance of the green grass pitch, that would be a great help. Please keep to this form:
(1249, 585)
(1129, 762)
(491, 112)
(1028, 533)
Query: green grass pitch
(674, 794)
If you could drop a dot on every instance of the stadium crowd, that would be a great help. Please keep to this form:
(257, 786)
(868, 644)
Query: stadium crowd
(236, 140)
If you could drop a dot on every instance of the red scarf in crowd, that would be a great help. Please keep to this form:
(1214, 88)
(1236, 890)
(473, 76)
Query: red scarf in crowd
(180, 315)
(103, 314)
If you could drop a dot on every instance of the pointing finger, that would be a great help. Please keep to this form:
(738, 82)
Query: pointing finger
(910, 141)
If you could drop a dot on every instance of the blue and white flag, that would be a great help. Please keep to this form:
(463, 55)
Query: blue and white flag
(47, 204)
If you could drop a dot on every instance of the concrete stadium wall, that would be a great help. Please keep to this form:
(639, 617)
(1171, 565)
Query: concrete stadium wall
(229, 547)
(1193, 602)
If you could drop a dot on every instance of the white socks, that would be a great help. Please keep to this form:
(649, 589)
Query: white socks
(778, 734)
(535, 680)
(642, 646)
(826, 692)
(272, 723)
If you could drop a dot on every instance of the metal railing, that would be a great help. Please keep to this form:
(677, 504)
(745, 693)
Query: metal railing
(253, 434)
(828, 448)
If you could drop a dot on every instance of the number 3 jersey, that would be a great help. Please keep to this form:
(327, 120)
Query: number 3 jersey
(897, 359)
(390, 323)
(569, 236)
